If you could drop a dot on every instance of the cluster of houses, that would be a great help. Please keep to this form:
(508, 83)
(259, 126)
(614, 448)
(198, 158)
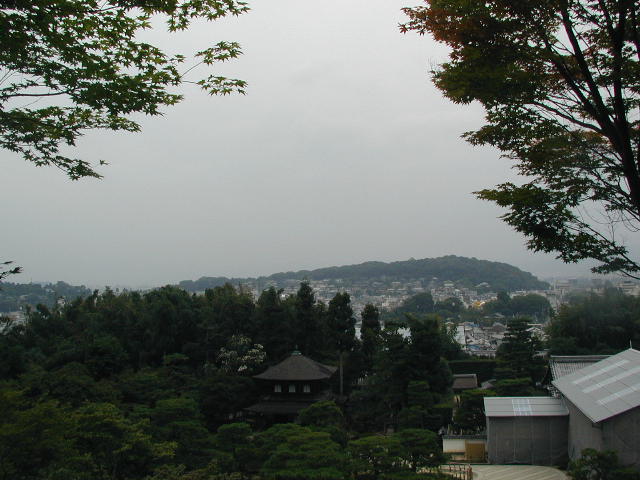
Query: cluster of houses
(483, 341)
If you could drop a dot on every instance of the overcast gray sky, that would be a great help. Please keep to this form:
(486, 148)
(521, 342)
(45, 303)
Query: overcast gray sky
(342, 151)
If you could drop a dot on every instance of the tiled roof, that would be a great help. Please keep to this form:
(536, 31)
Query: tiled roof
(465, 381)
(524, 407)
(566, 365)
(297, 367)
(606, 388)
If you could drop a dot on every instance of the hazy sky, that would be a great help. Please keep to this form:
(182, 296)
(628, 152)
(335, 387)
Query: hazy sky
(342, 151)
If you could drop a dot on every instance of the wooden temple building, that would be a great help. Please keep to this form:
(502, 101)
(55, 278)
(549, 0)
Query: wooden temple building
(290, 386)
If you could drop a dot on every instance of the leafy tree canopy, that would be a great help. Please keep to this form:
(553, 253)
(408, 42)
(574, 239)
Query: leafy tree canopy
(559, 83)
(595, 465)
(595, 324)
(69, 66)
(531, 305)
(517, 355)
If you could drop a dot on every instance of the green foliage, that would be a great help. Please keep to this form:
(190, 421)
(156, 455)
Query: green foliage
(516, 355)
(34, 439)
(591, 323)
(114, 447)
(420, 304)
(420, 448)
(375, 455)
(595, 465)
(558, 81)
(404, 369)
(83, 64)
(470, 412)
(226, 312)
(236, 440)
(273, 319)
(322, 414)
(394, 456)
(222, 396)
(515, 387)
(325, 417)
(121, 387)
(530, 305)
(340, 322)
(178, 420)
(367, 408)
(14, 296)
(306, 455)
(449, 307)
(370, 335)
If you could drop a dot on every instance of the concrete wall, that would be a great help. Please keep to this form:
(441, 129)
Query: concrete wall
(453, 445)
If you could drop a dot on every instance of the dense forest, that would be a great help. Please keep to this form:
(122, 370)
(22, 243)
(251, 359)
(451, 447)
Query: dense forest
(464, 271)
(134, 386)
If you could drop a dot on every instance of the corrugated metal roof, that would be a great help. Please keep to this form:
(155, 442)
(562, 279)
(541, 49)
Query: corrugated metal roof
(524, 407)
(566, 365)
(606, 388)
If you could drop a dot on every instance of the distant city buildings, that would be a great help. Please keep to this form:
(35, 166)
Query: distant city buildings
(388, 295)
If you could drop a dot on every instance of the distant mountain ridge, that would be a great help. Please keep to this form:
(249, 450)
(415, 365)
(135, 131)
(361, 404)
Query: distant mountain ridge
(463, 271)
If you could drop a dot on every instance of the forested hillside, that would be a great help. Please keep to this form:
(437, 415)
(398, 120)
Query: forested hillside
(462, 270)
(14, 296)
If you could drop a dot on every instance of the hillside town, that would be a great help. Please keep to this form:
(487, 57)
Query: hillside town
(390, 295)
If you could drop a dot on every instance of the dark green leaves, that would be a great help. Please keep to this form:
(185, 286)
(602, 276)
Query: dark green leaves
(559, 82)
(69, 66)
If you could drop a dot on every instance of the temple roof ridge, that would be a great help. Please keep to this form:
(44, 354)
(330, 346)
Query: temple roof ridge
(297, 367)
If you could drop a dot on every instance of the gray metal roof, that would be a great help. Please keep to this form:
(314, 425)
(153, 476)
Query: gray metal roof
(566, 365)
(606, 388)
(524, 407)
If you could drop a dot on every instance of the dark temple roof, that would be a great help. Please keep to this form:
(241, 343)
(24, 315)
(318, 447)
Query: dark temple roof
(297, 367)
(465, 381)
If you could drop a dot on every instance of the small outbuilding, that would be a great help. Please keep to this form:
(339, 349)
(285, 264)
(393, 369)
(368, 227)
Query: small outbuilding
(526, 430)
